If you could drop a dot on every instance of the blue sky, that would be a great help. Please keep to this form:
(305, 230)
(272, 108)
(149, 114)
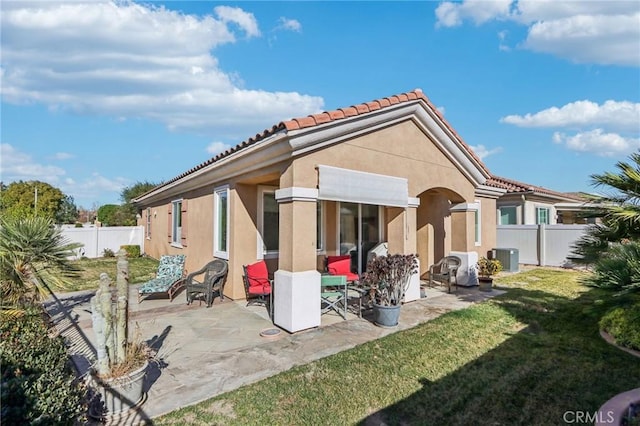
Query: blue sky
(98, 95)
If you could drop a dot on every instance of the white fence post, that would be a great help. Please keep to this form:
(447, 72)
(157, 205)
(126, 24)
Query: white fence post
(542, 244)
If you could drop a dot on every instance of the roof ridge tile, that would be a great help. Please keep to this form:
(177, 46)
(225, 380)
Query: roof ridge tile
(298, 123)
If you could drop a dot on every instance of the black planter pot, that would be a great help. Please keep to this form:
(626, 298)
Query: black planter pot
(386, 316)
(485, 283)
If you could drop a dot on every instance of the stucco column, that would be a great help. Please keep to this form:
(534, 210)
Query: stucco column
(402, 224)
(297, 282)
(463, 242)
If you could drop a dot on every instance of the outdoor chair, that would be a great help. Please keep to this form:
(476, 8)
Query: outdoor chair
(212, 284)
(341, 265)
(333, 294)
(445, 271)
(257, 284)
(169, 278)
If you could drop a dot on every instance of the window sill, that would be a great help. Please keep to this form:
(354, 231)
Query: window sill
(221, 255)
(176, 245)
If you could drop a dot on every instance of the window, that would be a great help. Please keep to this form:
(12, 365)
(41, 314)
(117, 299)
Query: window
(148, 224)
(359, 232)
(269, 221)
(477, 224)
(176, 223)
(508, 216)
(542, 216)
(221, 225)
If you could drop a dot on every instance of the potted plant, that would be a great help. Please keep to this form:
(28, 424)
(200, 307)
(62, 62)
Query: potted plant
(118, 376)
(486, 269)
(388, 279)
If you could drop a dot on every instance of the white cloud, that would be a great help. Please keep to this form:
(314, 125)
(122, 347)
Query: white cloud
(451, 14)
(217, 147)
(289, 24)
(81, 56)
(600, 39)
(611, 114)
(243, 19)
(601, 32)
(62, 156)
(483, 152)
(17, 165)
(502, 36)
(598, 142)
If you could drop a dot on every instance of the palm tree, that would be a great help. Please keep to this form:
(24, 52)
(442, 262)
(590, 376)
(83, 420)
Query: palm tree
(613, 247)
(34, 256)
(619, 211)
(623, 205)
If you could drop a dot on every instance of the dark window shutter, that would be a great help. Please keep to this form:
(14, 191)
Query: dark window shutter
(170, 221)
(184, 223)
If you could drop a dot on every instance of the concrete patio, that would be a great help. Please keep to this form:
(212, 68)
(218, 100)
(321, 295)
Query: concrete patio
(204, 352)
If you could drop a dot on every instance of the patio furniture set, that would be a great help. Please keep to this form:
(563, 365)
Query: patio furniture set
(338, 283)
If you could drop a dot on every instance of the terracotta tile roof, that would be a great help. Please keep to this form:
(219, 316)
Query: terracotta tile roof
(513, 186)
(329, 116)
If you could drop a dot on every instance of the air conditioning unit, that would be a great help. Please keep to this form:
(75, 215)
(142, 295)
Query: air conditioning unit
(509, 257)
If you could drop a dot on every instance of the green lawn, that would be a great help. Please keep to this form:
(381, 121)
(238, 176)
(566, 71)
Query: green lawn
(526, 357)
(141, 269)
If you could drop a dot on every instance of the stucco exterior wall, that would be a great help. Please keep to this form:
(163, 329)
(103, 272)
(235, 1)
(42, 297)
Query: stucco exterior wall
(488, 226)
(400, 150)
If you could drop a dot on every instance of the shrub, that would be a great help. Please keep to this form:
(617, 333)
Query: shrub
(388, 277)
(108, 253)
(623, 324)
(38, 385)
(79, 225)
(132, 250)
(618, 268)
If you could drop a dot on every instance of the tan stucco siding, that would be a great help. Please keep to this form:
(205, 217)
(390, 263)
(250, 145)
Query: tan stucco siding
(199, 229)
(401, 150)
(488, 225)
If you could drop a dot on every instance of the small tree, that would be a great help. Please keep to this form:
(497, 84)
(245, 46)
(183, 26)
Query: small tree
(34, 255)
(128, 194)
(107, 214)
(32, 198)
(68, 211)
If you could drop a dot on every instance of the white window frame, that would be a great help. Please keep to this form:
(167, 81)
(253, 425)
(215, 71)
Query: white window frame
(548, 215)
(478, 223)
(217, 251)
(176, 232)
(147, 230)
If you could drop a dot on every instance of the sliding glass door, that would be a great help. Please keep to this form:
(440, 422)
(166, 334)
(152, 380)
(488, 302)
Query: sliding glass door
(359, 232)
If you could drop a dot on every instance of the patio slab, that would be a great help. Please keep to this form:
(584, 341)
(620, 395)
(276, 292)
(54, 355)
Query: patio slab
(205, 352)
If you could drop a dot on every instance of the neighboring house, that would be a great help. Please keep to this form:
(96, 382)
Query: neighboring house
(391, 170)
(525, 204)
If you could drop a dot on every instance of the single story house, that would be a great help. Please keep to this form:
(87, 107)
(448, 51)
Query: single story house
(390, 170)
(525, 204)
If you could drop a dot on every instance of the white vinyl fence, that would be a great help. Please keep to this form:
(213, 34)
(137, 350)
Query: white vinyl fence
(544, 245)
(96, 239)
